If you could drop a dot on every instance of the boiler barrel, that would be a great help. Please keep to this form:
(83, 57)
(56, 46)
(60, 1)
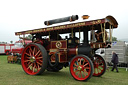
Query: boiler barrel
(70, 18)
(80, 50)
(84, 50)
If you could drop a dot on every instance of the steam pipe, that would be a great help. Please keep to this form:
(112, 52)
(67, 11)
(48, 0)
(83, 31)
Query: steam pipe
(70, 18)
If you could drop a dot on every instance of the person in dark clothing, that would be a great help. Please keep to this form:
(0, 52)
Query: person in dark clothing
(114, 61)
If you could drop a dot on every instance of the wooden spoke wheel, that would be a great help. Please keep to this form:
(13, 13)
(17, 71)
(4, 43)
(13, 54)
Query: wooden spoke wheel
(34, 59)
(99, 66)
(81, 68)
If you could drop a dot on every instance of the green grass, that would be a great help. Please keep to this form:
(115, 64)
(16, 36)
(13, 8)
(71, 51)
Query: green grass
(13, 74)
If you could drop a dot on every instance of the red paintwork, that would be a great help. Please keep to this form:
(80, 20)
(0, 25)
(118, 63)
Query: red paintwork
(72, 51)
(63, 58)
(63, 43)
(62, 50)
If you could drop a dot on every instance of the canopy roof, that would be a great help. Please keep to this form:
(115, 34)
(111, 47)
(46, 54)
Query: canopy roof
(96, 24)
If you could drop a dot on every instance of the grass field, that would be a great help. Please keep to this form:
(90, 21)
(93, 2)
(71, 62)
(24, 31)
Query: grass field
(13, 74)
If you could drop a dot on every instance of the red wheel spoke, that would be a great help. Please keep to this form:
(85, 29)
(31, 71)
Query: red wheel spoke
(39, 58)
(98, 71)
(76, 71)
(27, 61)
(99, 68)
(27, 57)
(27, 54)
(85, 71)
(94, 70)
(77, 62)
(78, 74)
(37, 53)
(33, 68)
(80, 62)
(30, 65)
(102, 66)
(39, 63)
(100, 63)
(38, 67)
(40, 54)
(30, 51)
(85, 64)
(33, 50)
(81, 74)
(86, 68)
(75, 65)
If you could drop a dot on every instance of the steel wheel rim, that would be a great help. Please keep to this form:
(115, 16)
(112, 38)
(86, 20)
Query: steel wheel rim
(32, 59)
(80, 68)
(99, 66)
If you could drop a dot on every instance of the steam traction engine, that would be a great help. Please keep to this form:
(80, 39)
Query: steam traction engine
(50, 51)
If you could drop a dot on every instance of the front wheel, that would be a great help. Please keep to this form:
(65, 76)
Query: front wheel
(81, 68)
(99, 66)
(34, 59)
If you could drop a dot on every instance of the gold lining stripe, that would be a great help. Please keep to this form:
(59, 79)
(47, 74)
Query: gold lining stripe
(99, 45)
(93, 45)
(104, 33)
(110, 34)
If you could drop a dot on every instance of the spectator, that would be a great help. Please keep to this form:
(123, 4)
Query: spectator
(114, 61)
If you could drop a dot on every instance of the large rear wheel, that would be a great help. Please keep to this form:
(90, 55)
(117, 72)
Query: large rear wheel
(34, 59)
(99, 66)
(81, 68)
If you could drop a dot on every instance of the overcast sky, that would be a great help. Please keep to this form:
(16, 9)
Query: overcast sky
(21, 15)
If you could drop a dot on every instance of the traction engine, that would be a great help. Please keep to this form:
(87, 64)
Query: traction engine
(49, 51)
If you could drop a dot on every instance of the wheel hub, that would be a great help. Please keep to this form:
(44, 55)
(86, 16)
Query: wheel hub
(32, 59)
(79, 68)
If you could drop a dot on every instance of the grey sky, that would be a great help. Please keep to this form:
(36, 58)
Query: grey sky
(21, 15)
